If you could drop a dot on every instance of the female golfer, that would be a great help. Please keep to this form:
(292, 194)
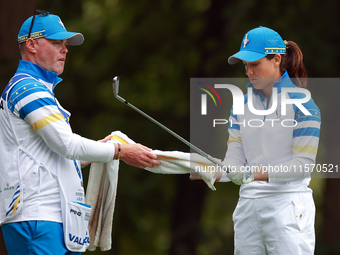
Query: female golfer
(273, 162)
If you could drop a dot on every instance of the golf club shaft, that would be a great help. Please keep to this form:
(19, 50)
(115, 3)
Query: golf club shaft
(198, 150)
(202, 153)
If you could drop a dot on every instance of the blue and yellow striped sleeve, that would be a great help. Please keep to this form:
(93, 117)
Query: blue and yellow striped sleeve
(234, 129)
(234, 125)
(306, 133)
(34, 103)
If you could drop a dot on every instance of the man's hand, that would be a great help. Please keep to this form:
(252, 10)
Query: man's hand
(133, 154)
(138, 155)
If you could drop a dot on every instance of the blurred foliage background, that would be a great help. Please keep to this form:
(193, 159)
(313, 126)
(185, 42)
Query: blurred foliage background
(155, 47)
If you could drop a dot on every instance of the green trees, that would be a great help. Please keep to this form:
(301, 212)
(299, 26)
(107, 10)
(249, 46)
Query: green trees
(156, 47)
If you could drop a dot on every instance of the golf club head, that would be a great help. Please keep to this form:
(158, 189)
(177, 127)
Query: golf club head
(115, 85)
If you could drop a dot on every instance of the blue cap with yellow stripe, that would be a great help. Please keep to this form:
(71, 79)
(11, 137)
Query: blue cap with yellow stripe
(257, 43)
(50, 27)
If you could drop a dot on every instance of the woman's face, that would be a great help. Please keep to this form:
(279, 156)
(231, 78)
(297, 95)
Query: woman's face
(263, 72)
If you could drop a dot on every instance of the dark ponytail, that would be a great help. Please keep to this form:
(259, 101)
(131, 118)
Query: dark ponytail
(292, 61)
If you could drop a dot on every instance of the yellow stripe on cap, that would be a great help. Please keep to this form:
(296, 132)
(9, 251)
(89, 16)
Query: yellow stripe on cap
(305, 149)
(47, 120)
(34, 35)
(275, 50)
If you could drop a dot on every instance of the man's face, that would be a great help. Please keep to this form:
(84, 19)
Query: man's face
(51, 54)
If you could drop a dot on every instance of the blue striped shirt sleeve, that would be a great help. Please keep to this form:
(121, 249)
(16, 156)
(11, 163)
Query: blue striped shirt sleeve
(306, 133)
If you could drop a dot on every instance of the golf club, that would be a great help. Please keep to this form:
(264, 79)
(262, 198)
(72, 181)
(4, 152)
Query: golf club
(115, 85)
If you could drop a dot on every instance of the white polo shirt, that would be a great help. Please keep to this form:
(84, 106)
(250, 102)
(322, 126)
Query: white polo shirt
(286, 144)
(37, 145)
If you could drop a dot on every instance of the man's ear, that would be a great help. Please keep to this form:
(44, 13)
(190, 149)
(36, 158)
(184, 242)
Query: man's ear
(31, 45)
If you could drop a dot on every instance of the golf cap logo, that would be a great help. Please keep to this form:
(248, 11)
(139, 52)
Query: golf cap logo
(245, 41)
(273, 41)
(61, 23)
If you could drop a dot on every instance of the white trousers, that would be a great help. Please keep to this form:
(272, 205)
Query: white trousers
(281, 224)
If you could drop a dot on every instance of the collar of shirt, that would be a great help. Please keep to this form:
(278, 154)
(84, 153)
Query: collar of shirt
(48, 78)
(283, 82)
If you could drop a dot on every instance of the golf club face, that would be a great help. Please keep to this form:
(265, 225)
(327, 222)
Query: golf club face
(115, 85)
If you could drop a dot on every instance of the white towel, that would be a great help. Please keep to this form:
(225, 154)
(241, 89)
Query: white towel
(101, 195)
(103, 179)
